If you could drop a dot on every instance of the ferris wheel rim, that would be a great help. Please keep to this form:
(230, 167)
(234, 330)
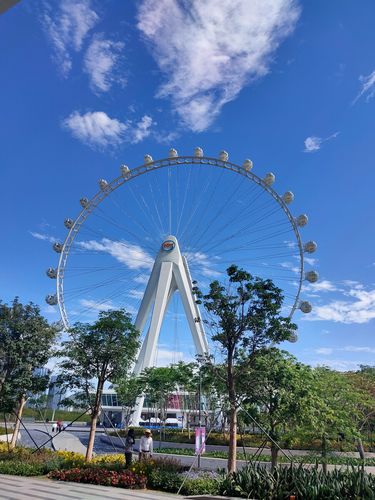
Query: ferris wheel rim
(151, 166)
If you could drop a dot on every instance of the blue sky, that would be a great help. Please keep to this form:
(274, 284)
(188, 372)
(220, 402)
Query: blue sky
(88, 85)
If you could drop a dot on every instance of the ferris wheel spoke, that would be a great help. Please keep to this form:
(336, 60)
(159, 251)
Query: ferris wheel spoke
(223, 207)
(129, 216)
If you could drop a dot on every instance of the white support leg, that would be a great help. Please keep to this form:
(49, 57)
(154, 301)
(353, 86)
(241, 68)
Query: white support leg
(170, 273)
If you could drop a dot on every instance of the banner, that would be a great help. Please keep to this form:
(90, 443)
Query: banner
(200, 440)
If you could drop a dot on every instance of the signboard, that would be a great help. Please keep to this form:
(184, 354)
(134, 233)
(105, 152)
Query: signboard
(200, 440)
(168, 245)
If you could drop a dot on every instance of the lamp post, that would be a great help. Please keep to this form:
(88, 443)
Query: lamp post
(200, 416)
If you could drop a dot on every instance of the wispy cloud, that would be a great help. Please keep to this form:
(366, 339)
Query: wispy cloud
(290, 265)
(353, 348)
(313, 143)
(326, 351)
(203, 263)
(340, 365)
(321, 286)
(101, 63)
(142, 129)
(95, 129)
(105, 305)
(165, 357)
(213, 49)
(43, 236)
(310, 260)
(99, 131)
(132, 256)
(368, 87)
(142, 279)
(135, 294)
(358, 307)
(90, 306)
(67, 24)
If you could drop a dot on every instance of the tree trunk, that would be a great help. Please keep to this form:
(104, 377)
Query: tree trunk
(274, 454)
(17, 424)
(232, 452)
(94, 418)
(324, 454)
(274, 449)
(360, 449)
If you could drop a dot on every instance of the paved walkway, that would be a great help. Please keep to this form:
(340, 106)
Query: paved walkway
(30, 488)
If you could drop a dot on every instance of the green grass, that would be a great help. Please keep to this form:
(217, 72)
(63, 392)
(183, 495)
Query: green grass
(66, 416)
(309, 459)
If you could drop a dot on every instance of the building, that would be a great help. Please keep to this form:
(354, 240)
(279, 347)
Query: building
(181, 411)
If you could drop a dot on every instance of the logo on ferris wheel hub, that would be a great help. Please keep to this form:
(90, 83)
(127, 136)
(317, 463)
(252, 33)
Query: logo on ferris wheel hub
(168, 245)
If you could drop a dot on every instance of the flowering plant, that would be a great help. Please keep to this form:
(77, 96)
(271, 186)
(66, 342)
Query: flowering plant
(104, 477)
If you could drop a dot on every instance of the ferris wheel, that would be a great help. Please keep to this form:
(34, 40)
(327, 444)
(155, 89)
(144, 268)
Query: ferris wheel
(218, 212)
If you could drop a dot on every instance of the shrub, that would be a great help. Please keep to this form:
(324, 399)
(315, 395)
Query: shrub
(94, 475)
(201, 482)
(70, 459)
(279, 484)
(17, 468)
(165, 480)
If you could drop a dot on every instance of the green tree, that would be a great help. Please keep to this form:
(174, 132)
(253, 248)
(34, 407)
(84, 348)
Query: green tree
(159, 383)
(245, 319)
(279, 393)
(334, 409)
(364, 382)
(128, 389)
(97, 353)
(26, 341)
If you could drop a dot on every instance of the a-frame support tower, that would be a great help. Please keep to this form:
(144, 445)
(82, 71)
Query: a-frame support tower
(169, 274)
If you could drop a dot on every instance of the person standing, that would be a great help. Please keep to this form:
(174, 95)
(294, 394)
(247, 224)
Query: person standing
(129, 443)
(146, 446)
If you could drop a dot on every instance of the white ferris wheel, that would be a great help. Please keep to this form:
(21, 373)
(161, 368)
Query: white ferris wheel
(143, 238)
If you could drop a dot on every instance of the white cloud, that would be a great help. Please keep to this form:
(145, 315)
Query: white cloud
(203, 262)
(95, 129)
(101, 59)
(359, 309)
(165, 357)
(291, 266)
(327, 351)
(136, 294)
(104, 305)
(337, 364)
(142, 278)
(321, 286)
(324, 350)
(132, 256)
(142, 129)
(67, 24)
(213, 49)
(50, 310)
(290, 244)
(310, 260)
(368, 87)
(43, 237)
(353, 348)
(314, 143)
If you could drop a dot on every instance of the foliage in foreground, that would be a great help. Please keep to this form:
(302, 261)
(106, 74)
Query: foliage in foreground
(167, 474)
(312, 484)
(105, 477)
